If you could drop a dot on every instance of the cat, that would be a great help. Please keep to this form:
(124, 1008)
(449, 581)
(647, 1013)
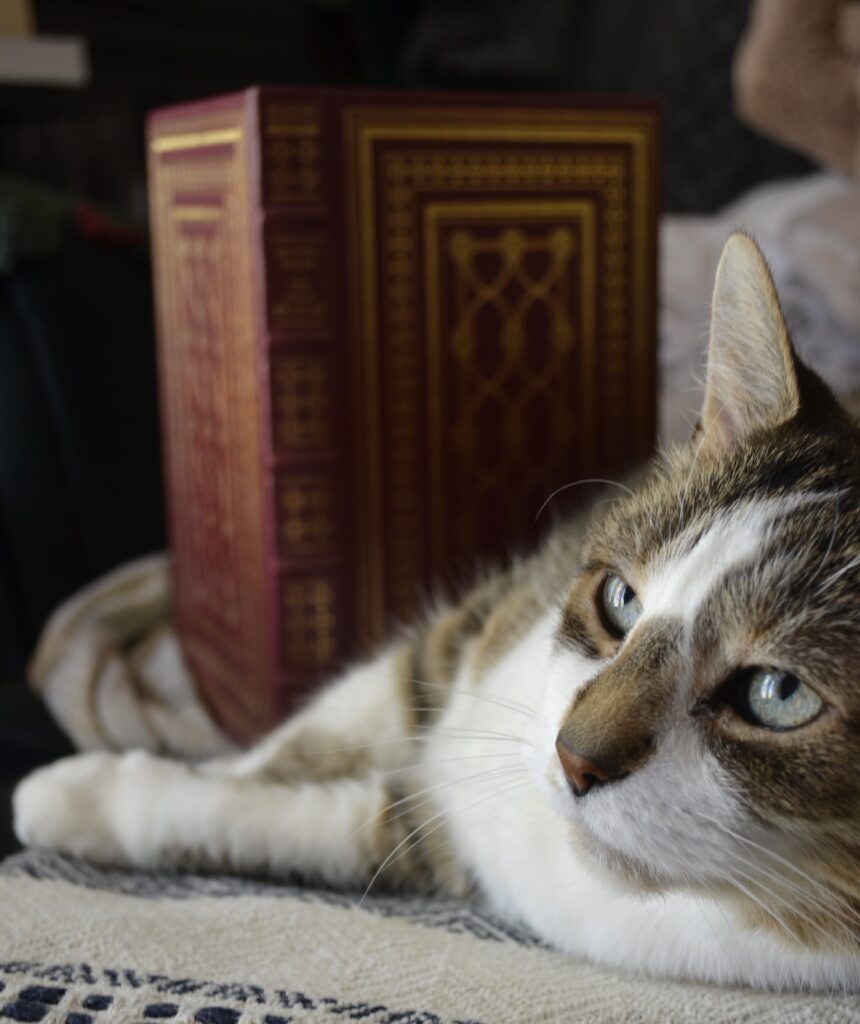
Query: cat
(641, 742)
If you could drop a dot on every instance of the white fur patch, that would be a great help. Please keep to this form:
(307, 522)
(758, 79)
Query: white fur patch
(676, 586)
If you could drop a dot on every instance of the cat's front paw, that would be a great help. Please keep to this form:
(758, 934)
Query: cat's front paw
(63, 807)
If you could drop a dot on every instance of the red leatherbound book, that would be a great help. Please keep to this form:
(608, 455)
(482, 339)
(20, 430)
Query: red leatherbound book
(390, 326)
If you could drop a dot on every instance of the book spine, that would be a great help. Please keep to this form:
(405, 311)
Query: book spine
(303, 371)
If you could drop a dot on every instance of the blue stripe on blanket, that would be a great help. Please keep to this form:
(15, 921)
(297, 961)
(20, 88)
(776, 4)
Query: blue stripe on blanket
(82, 994)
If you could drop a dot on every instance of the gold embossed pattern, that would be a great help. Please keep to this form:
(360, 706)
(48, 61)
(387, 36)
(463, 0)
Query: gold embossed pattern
(305, 515)
(511, 324)
(301, 401)
(295, 272)
(308, 614)
(513, 328)
(292, 153)
(402, 171)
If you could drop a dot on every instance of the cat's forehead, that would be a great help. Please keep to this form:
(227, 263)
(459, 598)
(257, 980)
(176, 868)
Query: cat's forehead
(678, 577)
(790, 478)
(768, 539)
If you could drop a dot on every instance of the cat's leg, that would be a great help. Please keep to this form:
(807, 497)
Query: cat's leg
(142, 811)
(339, 757)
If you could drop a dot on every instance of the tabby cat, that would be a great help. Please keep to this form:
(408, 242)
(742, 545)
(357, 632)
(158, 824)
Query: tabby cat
(643, 742)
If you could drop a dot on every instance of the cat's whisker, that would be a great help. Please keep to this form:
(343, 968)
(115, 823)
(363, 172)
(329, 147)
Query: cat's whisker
(579, 483)
(498, 701)
(393, 853)
(431, 709)
(774, 894)
(830, 904)
(825, 892)
(447, 689)
(456, 732)
(419, 829)
(838, 574)
(845, 918)
(433, 762)
(434, 789)
(507, 790)
(767, 911)
(501, 791)
(419, 736)
(487, 774)
(829, 909)
(505, 787)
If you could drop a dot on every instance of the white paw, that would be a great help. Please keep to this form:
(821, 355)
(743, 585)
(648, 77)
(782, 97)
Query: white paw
(64, 807)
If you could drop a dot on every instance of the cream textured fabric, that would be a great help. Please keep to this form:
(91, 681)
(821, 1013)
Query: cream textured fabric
(109, 667)
(218, 951)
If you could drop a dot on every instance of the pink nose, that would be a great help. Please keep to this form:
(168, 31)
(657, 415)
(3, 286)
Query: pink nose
(580, 772)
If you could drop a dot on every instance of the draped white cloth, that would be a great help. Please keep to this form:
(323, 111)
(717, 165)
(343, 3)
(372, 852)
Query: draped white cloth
(109, 667)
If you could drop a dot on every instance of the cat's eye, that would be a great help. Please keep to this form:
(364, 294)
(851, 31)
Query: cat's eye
(775, 699)
(619, 605)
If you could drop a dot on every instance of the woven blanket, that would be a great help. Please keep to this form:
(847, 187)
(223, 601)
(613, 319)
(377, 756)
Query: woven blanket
(82, 945)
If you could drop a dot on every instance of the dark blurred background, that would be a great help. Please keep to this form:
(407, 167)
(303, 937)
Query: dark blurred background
(88, 142)
(79, 456)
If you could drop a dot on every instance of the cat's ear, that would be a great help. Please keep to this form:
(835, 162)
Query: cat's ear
(752, 380)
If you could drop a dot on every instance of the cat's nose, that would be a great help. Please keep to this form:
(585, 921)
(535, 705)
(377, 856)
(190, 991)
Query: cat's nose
(580, 772)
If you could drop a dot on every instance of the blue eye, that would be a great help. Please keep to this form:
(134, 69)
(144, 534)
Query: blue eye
(619, 606)
(779, 700)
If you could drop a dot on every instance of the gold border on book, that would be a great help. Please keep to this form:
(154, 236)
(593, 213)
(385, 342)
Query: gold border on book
(195, 140)
(360, 215)
(196, 213)
(515, 211)
(363, 128)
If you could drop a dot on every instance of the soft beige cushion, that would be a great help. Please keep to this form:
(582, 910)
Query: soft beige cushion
(221, 952)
